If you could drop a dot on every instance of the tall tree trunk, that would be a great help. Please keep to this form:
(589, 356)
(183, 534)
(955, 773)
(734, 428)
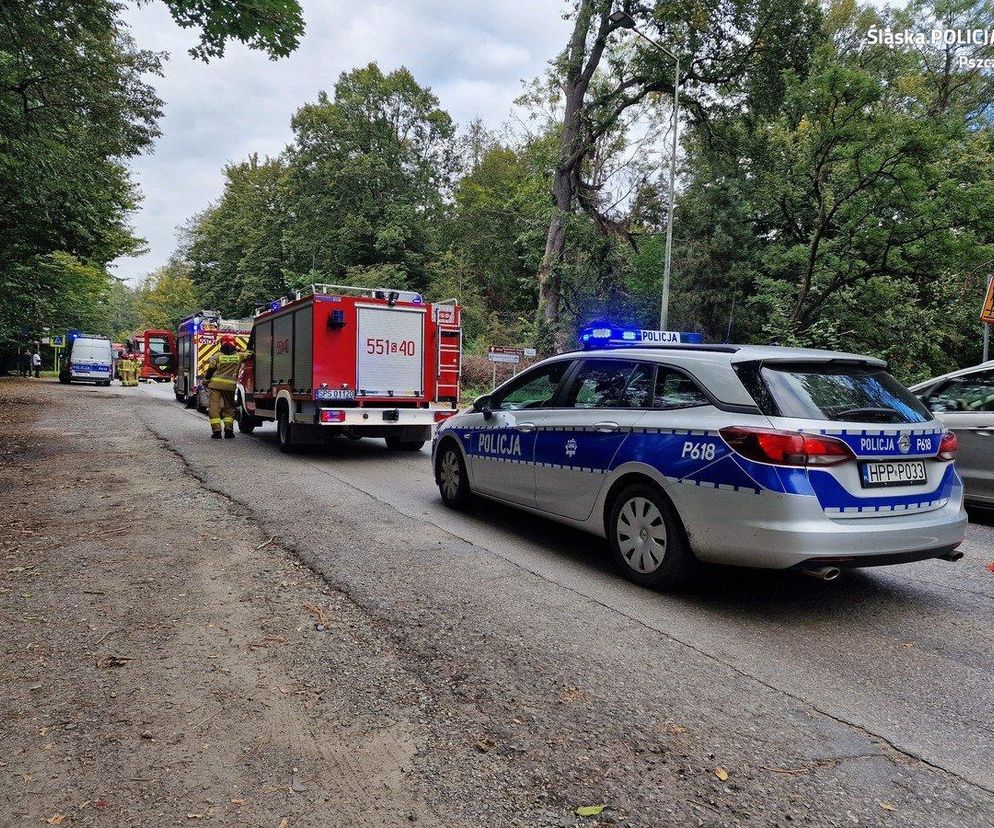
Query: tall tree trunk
(579, 69)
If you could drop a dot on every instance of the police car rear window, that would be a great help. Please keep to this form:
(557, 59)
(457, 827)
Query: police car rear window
(823, 391)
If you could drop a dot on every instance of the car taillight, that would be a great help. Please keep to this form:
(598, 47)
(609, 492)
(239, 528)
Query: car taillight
(332, 415)
(786, 448)
(948, 447)
(444, 415)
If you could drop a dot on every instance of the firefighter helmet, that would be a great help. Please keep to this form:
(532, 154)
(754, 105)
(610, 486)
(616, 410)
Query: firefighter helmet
(228, 339)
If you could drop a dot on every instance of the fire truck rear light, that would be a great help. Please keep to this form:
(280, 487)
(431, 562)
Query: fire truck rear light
(948, 447)
(444, 415)
(336, 319)
(332, 415)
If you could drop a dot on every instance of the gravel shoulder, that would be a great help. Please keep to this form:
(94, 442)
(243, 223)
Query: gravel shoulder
(165, 663)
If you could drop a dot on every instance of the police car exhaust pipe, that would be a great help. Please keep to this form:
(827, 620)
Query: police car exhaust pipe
(823, 573)
(954, 556)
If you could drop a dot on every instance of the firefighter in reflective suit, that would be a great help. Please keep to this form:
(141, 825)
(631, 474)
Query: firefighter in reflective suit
(221, 379)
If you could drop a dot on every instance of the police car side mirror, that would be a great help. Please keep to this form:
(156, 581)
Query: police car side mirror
(481, 405)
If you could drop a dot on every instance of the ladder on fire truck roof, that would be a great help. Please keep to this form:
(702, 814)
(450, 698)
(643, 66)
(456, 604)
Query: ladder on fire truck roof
(369, 293)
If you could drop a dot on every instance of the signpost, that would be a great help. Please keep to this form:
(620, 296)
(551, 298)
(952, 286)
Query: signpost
(501, 353)
(58, 343)
(987, 316)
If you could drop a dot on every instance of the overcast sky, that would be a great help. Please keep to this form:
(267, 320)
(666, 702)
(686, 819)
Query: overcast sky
(472, 54)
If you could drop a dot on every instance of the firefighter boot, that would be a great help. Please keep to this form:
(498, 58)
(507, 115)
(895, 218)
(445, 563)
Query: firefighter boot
(229, 432)
(215, 435)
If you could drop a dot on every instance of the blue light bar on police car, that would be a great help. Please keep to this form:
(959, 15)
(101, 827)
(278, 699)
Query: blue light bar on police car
(599, 336)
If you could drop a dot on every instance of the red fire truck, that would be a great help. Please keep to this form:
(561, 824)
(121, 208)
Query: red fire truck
(146, 345)
(199, 338)
(353, 361)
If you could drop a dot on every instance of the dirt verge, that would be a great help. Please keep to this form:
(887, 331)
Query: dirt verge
(167, 664)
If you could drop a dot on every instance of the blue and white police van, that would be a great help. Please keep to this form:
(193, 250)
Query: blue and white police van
(679, 452)
(89, 358)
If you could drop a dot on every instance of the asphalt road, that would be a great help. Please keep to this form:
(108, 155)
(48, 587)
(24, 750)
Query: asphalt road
(883, 679)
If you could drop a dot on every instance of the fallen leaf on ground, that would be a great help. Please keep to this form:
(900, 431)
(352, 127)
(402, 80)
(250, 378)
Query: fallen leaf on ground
(56, 819)
(590, 810)
(721, 773)
(887, 806)
(237, 801)
(284, 823)
(990, 566)
(100, 803)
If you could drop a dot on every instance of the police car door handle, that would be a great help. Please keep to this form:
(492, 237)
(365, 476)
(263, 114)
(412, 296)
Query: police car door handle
(526, 426)
(606, 426)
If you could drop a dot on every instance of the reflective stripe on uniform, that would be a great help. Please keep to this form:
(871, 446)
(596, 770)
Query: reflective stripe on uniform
(221, 382)
(214, 421)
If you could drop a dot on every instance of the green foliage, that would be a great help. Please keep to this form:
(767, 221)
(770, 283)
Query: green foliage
(55, 289)
(236, 248)
(843, 217)
(273, 26)
(367, 171)
(73, 106)
(166, 296)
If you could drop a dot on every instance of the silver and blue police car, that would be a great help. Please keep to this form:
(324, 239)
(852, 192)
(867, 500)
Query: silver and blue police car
(680, 453)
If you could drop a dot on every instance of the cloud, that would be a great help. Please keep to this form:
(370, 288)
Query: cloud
(472, 54)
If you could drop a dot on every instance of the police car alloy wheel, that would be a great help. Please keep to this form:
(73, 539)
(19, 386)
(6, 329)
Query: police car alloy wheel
(453, 484)
(647, 539)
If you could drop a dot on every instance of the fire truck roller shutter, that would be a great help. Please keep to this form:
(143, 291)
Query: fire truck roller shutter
(283, 349)
(263, 357)
(390, 350)
(303, 338)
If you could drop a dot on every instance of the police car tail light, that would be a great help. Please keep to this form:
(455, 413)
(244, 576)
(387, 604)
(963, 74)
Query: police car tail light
(332, 415)
(440, 416)
(948, 447)
(785, 448)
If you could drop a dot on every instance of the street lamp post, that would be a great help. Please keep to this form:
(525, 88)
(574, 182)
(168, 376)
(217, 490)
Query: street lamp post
(626, 21)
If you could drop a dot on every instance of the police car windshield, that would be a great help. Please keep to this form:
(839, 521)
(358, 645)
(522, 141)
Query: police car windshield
(822, 391)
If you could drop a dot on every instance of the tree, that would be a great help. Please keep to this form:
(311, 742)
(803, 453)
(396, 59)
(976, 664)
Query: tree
(273, 26)
(367, 171)
(600, 82)
(235, 248)
(75, 105)
(845, 216)
(166, 296)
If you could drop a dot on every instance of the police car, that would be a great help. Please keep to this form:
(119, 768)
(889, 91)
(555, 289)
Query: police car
(679, 453)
